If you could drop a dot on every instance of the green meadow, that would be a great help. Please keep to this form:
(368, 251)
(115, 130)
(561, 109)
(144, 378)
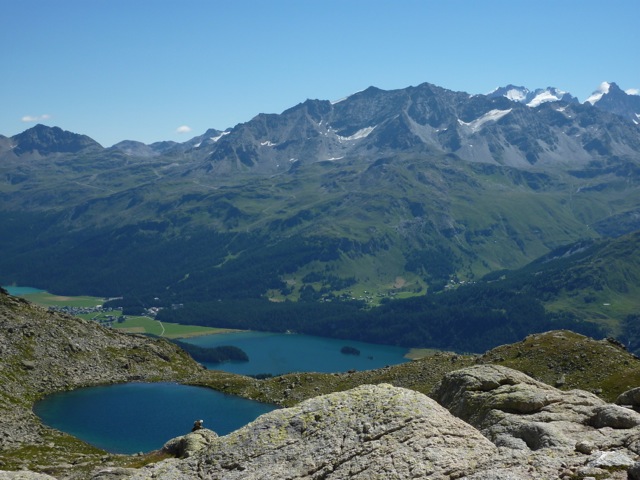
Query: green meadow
(47, 299)
(132, 324)
(148, 325)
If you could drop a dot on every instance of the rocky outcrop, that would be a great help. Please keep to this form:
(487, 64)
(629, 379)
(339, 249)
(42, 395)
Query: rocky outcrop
(368, 432)
(24, 475)
(630, 398)
(42, 352)
(514, 411)
(569, 361)
(514, 428)
(188, 445)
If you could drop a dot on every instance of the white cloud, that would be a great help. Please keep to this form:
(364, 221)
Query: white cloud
(633, 91)
(183, 129)
(35, 118)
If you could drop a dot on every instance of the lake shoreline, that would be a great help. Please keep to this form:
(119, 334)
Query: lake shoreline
(45, 297)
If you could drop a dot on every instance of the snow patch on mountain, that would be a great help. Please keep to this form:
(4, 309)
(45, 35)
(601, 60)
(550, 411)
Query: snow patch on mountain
(516, 94)
(602, 90)
(548, 95)
(531, 98)
(268, 143)
(362, 133)
(491, 116)
(215, 139)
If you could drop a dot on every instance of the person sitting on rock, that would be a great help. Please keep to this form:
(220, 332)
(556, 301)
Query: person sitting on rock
(197, 425)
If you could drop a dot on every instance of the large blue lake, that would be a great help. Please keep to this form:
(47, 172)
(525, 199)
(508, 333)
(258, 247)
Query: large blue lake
(140, 417)
(277, 353)
(136, 417)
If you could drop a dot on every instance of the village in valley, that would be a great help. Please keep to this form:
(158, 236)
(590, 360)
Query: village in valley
(105, 316)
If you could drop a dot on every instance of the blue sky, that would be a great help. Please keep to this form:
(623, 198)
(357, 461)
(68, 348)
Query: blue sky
(142, 69)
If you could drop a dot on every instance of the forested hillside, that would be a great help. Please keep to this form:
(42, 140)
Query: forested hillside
(341, 206)
(589, 287)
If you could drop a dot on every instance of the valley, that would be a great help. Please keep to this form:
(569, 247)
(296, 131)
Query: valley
(329, 204)
(320, 240)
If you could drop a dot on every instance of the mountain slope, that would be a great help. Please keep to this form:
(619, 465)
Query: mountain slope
(591, 287)
(596, 281)
(389, 192)
(42, 352)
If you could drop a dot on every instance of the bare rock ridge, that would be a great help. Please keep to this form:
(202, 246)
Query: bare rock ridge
(518, 428)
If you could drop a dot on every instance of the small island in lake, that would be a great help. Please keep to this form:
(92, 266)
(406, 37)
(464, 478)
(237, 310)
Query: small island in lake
(347, 350)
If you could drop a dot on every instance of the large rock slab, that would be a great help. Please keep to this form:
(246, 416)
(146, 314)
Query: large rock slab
(368, 432)
(384, 432)
(516, 411)
(188, 445)
(24, 475)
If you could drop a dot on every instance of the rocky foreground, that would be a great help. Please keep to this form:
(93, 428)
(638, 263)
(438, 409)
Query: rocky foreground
(43, 352)
(485, 422)
(444, 417)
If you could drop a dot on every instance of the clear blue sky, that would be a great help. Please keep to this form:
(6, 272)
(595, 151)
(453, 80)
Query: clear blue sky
(141, 69)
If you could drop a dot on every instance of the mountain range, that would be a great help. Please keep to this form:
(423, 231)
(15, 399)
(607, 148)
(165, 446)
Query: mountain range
(441, 108)
(382, 194)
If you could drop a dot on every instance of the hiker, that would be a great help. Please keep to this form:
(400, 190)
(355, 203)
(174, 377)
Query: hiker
(197, 425)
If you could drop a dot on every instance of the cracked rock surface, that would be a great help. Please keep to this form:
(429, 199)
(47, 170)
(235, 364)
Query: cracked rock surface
(498, 424)
(368, 432)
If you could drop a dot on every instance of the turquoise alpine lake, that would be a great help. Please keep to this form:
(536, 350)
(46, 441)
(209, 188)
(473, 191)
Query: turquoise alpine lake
(279, 353)
(140, 417)
(16, 290)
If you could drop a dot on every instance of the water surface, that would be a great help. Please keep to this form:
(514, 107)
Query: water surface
(17, 290)
(140, 417)
(277, 353)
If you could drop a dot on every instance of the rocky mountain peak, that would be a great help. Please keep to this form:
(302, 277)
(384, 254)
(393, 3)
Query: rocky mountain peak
(602, 90)
(512, 92)
(512, 126)
(46, 140)
(533, 98)
(611, 98)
